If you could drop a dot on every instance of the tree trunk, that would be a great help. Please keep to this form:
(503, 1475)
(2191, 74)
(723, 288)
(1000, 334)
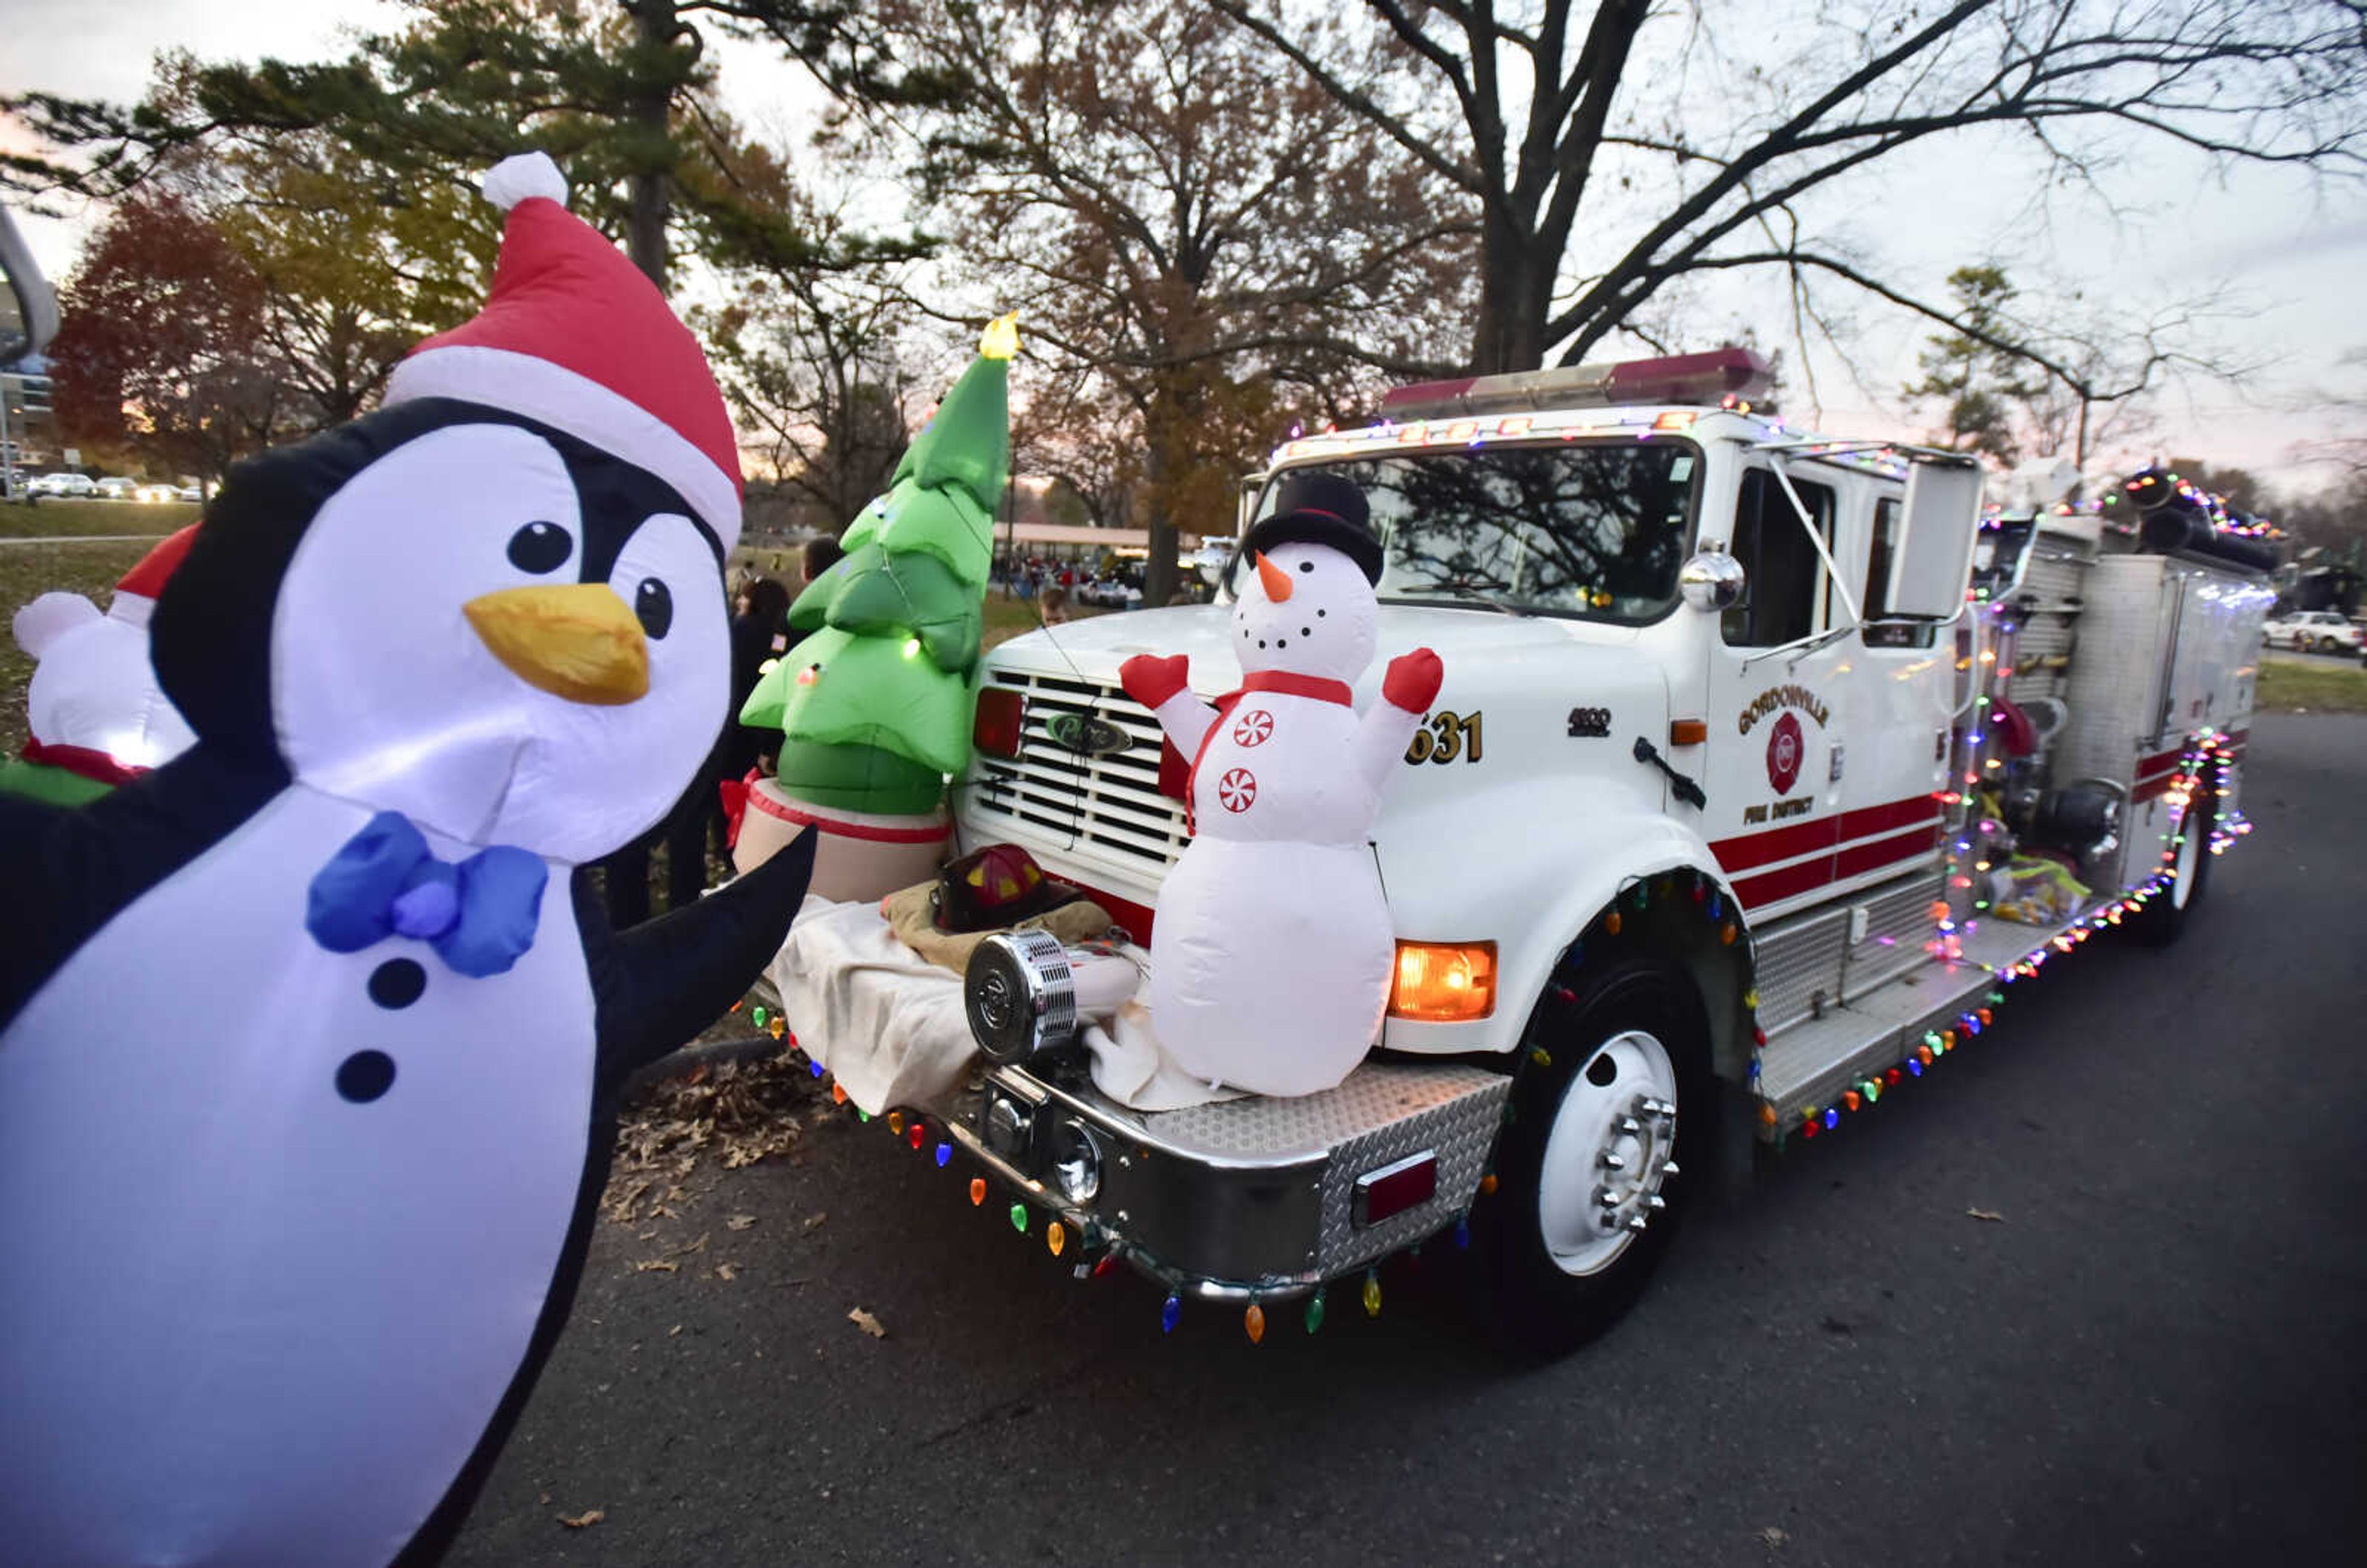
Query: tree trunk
(1159, 571)
(1515, 297)
(649, 190)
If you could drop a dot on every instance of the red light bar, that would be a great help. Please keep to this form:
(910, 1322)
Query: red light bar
(1700, 378)
(1002, 715)
(1689, 378)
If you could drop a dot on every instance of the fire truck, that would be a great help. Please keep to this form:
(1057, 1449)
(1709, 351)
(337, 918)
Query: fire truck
(1766, 763)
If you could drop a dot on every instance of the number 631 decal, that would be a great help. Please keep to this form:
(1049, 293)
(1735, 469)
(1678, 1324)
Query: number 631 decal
(1445, 738)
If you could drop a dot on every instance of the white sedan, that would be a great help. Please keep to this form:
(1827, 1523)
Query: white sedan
(2321, 631)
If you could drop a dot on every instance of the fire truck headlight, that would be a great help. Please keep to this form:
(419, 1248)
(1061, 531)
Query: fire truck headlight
(1076, 1162)
(1438, 982)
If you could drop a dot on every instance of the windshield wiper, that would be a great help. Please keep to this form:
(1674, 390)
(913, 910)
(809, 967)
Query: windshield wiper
(1473, 587)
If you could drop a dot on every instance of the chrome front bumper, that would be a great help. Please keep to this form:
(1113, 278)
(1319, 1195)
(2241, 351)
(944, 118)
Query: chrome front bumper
(1259, 1198)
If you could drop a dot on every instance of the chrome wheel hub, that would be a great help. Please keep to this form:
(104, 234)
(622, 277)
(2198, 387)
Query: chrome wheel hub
(1609, 1153)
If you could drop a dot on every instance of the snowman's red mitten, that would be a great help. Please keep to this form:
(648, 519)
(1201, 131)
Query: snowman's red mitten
(1150, 680)
(1413, 680)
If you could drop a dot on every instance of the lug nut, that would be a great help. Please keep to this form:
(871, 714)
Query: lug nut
(1636, 1225)
(1669, 1167)
(1656, 1203)
(1629, 1124)
(1613, 1161)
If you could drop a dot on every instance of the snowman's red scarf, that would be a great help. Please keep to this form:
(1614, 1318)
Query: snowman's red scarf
(86, 761)
(1282, 680)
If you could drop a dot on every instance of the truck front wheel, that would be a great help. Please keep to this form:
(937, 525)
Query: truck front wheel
(1591, 1170)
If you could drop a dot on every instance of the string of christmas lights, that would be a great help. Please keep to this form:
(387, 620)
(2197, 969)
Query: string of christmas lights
(2209, 749)
(1098, 1253)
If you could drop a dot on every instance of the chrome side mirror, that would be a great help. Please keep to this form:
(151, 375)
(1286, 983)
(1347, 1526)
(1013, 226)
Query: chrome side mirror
(1712, 580)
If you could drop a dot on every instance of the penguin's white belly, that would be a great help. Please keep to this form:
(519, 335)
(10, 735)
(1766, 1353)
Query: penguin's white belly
(1270, 963)
(244, 1317)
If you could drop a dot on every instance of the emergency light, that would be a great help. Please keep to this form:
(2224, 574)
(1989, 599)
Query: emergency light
(1702, 378)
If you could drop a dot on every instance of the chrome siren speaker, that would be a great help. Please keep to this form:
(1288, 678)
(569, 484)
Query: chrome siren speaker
(1026, 994)
(1021, 995)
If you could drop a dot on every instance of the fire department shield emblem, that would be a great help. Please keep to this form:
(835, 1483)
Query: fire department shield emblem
(1784, 746)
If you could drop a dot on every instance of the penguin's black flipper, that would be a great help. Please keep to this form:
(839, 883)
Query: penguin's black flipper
(70, 871)
(659, 984)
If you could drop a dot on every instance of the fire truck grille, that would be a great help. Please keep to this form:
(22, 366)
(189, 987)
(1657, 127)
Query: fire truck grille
(1109, 803)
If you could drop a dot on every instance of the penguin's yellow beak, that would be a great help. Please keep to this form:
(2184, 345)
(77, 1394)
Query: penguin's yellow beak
(576, 641)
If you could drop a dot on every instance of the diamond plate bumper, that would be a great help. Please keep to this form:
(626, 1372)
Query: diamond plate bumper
(1253, 1196)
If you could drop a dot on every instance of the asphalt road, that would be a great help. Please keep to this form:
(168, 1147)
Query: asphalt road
(2158, 1354)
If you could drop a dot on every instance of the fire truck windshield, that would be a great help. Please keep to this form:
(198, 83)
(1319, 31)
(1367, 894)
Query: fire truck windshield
(1594, 529)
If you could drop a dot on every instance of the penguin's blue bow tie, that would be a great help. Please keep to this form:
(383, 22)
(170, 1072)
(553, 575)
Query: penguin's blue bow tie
(479, 915)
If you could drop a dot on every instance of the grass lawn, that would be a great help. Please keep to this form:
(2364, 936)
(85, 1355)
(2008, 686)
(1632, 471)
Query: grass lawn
(53, 518)
(2315, 687)
(26, 571)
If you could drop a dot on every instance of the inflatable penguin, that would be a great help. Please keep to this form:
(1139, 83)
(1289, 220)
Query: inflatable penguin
(308, 1060)
(1271, 956)
(97, 715)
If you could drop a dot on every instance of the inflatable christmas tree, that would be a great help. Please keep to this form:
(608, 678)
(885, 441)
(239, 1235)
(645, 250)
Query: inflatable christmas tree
(874, 703)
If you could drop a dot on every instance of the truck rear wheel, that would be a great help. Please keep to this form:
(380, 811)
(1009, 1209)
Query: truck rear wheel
(1590, 1172)
(2166, 915)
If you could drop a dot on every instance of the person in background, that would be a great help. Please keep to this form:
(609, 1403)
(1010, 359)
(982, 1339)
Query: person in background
(822, 552)
(1056, 603)
(759, 631)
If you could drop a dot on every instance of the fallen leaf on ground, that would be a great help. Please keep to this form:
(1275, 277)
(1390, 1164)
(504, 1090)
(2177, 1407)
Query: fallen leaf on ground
(740, 1111)
(699, 1245)
(655, 1266)
(868, 1324)
(674, 1330)
(584, 1520)
(725, 1272)
(1773, 1536)
(1986, 1214)
(740, 1222)
(813, 1222)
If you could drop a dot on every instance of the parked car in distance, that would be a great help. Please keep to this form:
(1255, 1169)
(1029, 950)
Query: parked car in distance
(188, 493)
(2322, 631)
(116, 487)
(1110, 593)
(157, 492)
(68, 484)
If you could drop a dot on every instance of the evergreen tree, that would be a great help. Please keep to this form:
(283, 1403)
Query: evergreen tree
(874, 705)
(1979, 373)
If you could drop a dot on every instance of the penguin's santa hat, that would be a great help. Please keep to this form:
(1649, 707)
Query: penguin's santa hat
(575, 336)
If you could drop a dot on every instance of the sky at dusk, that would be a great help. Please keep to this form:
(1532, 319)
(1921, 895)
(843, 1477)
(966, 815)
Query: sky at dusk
(2290, 251)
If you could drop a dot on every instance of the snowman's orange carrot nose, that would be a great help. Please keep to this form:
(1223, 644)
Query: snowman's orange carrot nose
(1276, 580)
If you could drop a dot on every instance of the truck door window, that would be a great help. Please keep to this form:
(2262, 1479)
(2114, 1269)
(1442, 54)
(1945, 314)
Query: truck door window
(1780, 594)
(1877, 555)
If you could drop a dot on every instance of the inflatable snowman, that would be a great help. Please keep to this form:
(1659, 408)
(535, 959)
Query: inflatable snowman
(98, 716)
(1271, 957)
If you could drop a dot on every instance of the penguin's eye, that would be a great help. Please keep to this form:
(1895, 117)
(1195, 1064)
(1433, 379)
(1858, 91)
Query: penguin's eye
(539, 547)
(1307, 566)
(653, 606)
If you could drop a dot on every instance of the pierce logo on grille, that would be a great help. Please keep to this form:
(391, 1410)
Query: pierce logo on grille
(1086, 735)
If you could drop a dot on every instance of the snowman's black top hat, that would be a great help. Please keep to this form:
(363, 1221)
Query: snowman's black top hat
(1317, 508)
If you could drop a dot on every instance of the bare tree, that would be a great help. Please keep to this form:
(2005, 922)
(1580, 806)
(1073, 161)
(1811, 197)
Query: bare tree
(1192, 243)
(1547, 121)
